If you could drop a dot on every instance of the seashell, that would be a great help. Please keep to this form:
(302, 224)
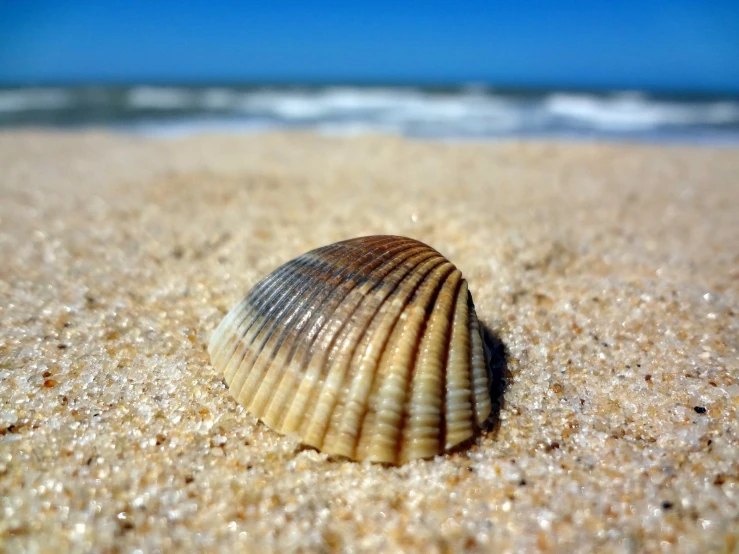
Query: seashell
(369, 348)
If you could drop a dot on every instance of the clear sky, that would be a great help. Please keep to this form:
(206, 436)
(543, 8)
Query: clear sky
(682, 45)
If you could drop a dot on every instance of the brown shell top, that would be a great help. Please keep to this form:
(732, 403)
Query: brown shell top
(368, 348)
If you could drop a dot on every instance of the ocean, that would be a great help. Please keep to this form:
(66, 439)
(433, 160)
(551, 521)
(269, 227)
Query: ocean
(461, 113)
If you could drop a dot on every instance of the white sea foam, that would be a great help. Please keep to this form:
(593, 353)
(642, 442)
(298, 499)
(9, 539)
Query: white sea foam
(20, 100)
(635, 112)
(378, 110)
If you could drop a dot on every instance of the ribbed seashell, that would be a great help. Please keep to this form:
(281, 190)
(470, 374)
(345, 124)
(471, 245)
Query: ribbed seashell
(368, 348)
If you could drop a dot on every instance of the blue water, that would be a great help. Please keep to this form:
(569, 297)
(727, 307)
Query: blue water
(454, 113)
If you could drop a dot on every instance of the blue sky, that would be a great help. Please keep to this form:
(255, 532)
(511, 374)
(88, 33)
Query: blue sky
(684, 45)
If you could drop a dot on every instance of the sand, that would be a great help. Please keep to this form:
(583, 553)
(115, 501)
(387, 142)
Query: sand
(609, 272)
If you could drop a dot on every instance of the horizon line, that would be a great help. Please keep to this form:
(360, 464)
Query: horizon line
(431, 84)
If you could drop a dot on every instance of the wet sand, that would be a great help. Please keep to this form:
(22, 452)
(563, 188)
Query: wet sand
(610, 274)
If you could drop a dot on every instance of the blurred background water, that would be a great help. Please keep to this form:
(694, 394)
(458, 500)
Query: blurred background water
(657, 72)
(452, 113)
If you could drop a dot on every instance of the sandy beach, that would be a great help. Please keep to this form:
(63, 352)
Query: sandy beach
(610, 273)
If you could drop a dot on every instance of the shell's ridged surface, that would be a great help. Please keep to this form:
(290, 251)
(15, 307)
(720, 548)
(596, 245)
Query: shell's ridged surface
(367, 348)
